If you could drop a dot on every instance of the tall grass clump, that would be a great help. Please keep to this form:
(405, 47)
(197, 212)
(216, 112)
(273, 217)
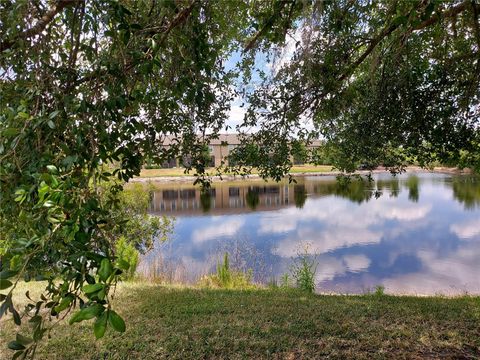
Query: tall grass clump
(303, 272)
(227, 278)
(284, 283)
(379, 290)
(224, 273)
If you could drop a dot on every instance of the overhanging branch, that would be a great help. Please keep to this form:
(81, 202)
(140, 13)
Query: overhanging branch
(454, 11)
(179, 19)
(39, 26)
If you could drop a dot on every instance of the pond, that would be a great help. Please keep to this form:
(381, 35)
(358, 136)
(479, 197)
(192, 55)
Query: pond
(416, 233)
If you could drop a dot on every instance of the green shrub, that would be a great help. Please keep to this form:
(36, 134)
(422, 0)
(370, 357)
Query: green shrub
(286, 281)
(127, 252)
(223, 272)
(226, 278)
(379, 290)
(303, 271)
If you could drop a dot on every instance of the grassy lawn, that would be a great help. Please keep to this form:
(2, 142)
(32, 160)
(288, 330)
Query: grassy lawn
(146, 173)
(187, 323)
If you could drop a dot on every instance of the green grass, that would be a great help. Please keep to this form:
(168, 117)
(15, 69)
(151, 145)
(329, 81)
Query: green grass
(147, 173)
(187, 323)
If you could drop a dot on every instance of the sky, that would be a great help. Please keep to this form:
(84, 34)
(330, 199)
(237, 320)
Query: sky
(268, 65)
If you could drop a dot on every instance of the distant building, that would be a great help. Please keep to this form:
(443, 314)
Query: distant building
(219, 149)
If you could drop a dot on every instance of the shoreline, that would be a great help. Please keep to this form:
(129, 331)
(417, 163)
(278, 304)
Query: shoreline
(226, 178)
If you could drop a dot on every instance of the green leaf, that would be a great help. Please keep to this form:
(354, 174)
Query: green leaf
(91, 288)
(400, 20)
(17, 354)
(15, 345)
(5, 274)
(23, 340)
(38, 333)
(86, 313)
(16, 316)
(36, 319)
(100, 325)
(122, 264)
(105, 270)
(23, 115)
(20, 198)
(54, 114)
(52, 220)
(51, 124)
(10, 132)
(65, 303)
(116, 321)
(52, 168)
(5, 284)
(7, 302)
(48, 204)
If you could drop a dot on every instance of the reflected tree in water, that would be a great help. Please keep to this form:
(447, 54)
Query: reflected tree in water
(206, 201)
(355, 191)
(392, 187)
(252, 198)
(413, 189)
(466, 190)
(300, 195)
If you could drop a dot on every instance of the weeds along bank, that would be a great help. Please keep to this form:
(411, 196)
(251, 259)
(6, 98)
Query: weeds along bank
(301, 276)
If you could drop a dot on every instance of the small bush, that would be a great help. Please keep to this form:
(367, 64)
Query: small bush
(303, 271)
(286, 281)
(223, 272)
(127, 252)
(226, 278)
(379, 290)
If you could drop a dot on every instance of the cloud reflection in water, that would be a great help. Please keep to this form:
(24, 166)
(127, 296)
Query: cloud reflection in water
(421, 236)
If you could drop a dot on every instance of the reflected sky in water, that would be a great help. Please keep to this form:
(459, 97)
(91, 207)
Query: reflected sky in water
(414, 234)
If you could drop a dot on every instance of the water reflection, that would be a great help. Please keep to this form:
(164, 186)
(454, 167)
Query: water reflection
(467, 191)
(413, 191)
(245, 197)
(415, 233)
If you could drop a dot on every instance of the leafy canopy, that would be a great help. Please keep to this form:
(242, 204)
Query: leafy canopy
(89, 89)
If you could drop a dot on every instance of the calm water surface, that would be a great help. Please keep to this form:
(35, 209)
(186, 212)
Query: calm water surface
(417, 233)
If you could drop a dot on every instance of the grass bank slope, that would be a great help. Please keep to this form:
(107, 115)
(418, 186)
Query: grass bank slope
(187, 323)
(298, 169)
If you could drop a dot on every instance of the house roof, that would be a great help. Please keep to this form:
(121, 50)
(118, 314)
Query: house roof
(229, 139)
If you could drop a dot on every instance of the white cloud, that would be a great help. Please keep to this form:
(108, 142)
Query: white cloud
(330, 267)
(466, 229)
(226, 228)
(407, 213)
(448, 275)
(326, 240)
(331, 223)
(356, 263)
(235, 117)
(276, 225)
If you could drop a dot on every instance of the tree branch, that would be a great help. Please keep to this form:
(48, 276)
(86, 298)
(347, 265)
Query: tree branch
(268, 24)
(180, 18)
(39, 26)
(454, 11)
